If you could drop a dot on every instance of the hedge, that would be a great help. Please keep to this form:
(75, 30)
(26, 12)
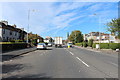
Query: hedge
(112, 46)
(13, 46)
(85, 44)
(12, 42)
(79, 44)
(90, 43)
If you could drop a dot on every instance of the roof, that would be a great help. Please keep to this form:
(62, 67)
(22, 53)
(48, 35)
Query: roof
(9, 27)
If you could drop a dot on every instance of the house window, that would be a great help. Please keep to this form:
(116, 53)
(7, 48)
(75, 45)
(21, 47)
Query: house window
(3, 31)
(15, 33)
(10, 32)
(7, 38)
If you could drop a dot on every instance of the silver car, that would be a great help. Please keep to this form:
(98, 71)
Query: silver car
(41, 46)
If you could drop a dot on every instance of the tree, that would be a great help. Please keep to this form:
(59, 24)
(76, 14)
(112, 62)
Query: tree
(76, 36)
(33, 38)
(68, 35)
(90, 43)
(114, 27)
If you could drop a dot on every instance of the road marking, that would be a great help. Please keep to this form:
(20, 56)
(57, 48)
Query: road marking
(114, 64)
(41, 54)
(83, 62)
(71, 53)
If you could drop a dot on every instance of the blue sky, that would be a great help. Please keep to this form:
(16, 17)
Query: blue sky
(58, 18)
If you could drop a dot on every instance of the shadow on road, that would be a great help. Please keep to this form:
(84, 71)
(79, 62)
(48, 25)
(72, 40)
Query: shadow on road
(45, 49)
(42, 75)
(8, 68)
(9, 57)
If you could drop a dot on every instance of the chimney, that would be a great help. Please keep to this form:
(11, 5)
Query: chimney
(5, 22)
(14, 26)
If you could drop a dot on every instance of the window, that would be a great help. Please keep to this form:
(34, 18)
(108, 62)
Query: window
(10, 32)
(7, 38)
(3, 31)
(15, 33)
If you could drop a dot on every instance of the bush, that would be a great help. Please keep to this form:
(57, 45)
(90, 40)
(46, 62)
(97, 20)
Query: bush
(90, 43)
(85, 44)
(6, 46)
(79, 44)
(104, 46)
(114, 46)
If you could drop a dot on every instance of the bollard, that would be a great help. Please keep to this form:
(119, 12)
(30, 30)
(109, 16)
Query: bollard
(68, 46)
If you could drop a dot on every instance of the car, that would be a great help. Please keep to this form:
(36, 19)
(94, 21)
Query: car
(41, 46)
(69, 44)
(49, 44)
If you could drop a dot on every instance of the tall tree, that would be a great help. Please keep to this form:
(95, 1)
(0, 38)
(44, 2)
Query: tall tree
(68, 35)
(114, 27)
(76, 36)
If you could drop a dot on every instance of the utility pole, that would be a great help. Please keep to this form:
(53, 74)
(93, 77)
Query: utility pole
(28, 24)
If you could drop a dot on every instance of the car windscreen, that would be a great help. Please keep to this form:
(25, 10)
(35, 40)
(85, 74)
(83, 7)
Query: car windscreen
(41, 44)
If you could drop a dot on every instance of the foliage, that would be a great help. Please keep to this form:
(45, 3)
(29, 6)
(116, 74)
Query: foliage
(33, 38)
(12, 42)
(68, 35)
(90, 43)
(104, 46)
(112, 46)
(12, 46)
(114, 27)
(115, 46)
(79, 44)
(76, 36)
(85, 44)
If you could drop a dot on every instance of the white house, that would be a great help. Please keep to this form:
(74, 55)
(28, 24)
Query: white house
(8, 32)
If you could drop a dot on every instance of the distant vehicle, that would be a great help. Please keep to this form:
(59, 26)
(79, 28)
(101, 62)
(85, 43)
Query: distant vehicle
(58, 42)
(70, 44)
(41, 46)
(49, 45)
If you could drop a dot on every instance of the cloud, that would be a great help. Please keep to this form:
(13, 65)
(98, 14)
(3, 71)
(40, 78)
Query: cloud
(59, 0)
(54, 17)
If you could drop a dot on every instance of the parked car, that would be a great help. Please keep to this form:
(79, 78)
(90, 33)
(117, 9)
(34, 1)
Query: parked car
(49, 44)
(41, 46)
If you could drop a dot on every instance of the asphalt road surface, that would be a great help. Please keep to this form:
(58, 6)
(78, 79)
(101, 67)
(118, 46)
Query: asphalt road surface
(62, 63)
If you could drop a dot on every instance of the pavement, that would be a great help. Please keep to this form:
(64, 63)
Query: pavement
(11, 54)
(110, 51)
(62, 63)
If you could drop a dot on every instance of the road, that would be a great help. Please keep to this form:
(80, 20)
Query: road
(62, 63)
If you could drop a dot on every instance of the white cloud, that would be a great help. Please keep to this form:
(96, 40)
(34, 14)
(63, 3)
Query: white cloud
(59, 0)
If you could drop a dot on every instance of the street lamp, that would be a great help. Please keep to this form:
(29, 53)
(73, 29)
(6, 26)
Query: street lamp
(99, 28)
(28, 23)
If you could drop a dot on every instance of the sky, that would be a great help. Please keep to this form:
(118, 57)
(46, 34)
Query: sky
(57, 18)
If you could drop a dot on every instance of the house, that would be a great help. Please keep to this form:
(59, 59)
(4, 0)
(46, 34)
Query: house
(48, 39)
(101, 37)
(10, 33)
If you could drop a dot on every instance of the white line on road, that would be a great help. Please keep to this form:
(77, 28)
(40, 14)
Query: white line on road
(71, 53)
(83, 62)
(114, 64)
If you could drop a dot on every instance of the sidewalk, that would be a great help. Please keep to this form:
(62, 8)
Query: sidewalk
(9, 55)
(97, 50)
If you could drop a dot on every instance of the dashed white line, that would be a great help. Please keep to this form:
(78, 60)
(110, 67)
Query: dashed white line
(71, 53)
(83, 62)
(114, 64)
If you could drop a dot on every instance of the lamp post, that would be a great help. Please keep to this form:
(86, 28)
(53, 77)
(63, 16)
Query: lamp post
(28, 24)
(99, 28)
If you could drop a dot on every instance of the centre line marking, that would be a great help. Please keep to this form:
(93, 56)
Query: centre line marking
(71, 53)
(83, 62)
